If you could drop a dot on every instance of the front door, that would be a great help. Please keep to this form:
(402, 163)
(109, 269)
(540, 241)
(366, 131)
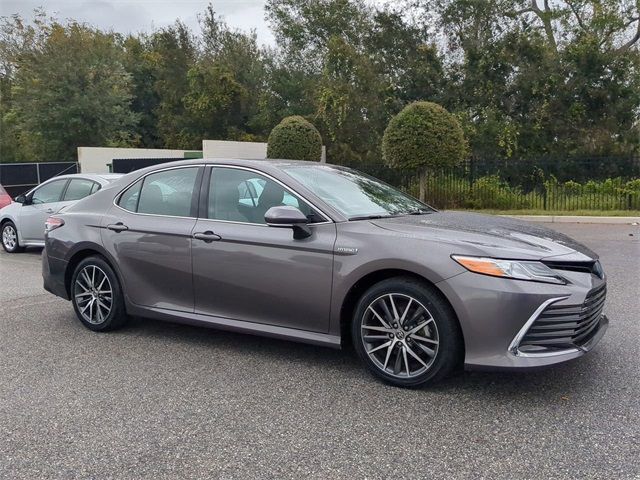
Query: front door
(149, 234)
(44, 201)
(246, 270)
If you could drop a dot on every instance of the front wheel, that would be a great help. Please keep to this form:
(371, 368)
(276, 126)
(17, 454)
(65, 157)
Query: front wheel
(405, 333)
(97, 296)
(10, 238)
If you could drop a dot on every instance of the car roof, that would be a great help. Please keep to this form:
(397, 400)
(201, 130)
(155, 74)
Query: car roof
(108, 177)
(247, 162)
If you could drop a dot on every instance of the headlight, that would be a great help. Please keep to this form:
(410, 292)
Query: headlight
(518, 269)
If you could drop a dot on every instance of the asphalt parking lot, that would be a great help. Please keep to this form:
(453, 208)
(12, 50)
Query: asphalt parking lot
(158, 400)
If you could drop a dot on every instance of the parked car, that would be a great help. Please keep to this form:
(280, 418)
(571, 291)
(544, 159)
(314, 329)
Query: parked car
(326, 255)
(5, 199)
(22, 222)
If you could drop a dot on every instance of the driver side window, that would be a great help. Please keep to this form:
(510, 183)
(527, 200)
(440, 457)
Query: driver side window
(49, 192)
(245, 196)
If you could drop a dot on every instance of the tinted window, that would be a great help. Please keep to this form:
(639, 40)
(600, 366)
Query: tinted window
(79, 188)
(129, 199)
(168, 193)
(51, 192)
(245, 196)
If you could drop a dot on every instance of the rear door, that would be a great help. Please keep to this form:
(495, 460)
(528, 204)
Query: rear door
(77, 189)
(246, 270)
(45, 200)
(148, 231)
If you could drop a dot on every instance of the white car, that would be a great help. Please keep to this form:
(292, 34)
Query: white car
(22, 222)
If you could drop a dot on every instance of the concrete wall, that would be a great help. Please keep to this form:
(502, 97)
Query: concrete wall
(96, 159)
(247, 150)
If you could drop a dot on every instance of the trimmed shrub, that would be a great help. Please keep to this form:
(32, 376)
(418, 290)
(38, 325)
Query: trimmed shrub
(295, 138)
(424, 137)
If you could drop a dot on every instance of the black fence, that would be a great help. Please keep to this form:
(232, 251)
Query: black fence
(18, 178)
(599, 183)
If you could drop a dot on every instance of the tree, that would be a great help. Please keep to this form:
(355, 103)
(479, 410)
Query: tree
(68, 88)
(173, 52)
(295, 138)
(424, 137)
(533, 78)
(225, 85)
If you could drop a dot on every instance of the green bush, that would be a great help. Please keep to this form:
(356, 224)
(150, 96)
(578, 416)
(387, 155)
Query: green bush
(491, 192)
(295, 138)
(424, 137)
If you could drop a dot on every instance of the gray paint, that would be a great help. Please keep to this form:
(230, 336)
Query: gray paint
(259, 279)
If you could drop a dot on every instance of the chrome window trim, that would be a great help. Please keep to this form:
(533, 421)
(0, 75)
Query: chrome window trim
(514, 346)
(286, 187)
(116, 198)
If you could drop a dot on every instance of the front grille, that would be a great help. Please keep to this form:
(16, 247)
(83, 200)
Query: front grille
(566, 326)
(591, 266)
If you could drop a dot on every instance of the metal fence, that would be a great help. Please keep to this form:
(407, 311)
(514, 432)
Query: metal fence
(18, 178)
(551, 184)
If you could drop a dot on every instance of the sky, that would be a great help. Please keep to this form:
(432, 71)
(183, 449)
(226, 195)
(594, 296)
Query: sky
(132, 16)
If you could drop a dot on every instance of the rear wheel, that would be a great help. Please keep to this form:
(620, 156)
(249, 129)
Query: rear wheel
(405, 333)
(10, 238)
(97, 296)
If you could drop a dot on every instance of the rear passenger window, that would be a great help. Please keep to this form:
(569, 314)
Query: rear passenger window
(163, 193)
(129, 199)
(79, 188)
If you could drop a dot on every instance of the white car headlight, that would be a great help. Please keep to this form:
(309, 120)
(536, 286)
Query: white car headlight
(518, 269)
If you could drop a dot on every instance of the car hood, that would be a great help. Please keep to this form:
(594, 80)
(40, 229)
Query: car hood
(477, 234)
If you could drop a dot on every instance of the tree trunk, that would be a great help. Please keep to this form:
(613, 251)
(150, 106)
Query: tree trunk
(423, 185)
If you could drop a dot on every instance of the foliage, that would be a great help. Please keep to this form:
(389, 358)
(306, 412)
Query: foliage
(525, 79)
(493, 192)
(423, 137)
(295, 138)
(68, 87)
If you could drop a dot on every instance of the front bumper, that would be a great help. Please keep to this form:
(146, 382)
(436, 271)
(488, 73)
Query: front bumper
(495, 314)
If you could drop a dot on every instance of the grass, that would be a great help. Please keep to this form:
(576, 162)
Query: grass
(586, 213)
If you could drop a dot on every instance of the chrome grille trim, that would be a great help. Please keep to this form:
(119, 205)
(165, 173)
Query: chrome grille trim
(559, 329)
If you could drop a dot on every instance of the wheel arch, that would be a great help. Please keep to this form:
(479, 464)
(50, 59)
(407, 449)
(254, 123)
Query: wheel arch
(358, 288)
(81, 252)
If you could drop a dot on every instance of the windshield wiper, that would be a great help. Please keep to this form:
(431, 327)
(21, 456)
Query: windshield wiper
(419, 211)
(371, 217)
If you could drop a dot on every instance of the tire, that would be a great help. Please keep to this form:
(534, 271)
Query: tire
(400, 319)
(92, 281)
(9, 236)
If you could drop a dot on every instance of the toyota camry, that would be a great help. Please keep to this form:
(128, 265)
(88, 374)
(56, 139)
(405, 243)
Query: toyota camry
(326, 255)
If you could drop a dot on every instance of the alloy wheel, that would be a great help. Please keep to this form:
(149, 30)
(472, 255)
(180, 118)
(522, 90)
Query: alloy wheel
(400, 335)
(9, 237)
(93, 294)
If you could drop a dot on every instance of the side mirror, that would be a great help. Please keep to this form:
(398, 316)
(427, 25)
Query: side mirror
(22, 199)
(288, 217)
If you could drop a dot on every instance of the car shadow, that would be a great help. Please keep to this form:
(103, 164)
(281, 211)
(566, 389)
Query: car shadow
(270, 348)
(552, 384)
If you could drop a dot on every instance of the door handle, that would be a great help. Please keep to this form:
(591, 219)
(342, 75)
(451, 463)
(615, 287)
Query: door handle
(49, 210)
(117, 227)
(207, 236)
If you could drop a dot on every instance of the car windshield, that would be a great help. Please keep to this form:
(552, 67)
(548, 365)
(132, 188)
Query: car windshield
(355, 195)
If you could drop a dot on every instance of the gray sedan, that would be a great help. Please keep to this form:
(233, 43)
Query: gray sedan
(22, 222)
(326, 255)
